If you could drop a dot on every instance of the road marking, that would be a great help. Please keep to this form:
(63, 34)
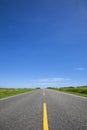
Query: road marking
(43, 93)
(45, 118)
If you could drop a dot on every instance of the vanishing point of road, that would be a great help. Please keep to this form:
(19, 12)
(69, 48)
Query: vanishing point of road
(43, 110)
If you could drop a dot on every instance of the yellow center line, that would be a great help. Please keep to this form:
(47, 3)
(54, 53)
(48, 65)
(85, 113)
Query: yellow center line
(45, 118)
(43, 93)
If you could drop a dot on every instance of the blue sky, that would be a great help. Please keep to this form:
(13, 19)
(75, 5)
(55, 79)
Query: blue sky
(43, 43)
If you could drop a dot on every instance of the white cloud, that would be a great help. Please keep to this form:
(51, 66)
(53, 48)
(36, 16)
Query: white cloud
(80, 68)
(51, 80)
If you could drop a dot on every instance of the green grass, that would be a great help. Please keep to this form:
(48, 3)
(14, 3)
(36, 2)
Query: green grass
(5, 92)
(80, 91)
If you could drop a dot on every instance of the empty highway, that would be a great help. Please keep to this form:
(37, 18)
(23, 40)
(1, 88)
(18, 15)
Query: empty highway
(43, 110)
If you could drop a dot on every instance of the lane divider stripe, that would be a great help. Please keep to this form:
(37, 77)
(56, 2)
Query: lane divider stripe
(45, 118)
(43, 94)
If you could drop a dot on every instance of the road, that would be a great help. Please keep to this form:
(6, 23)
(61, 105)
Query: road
(43, 110)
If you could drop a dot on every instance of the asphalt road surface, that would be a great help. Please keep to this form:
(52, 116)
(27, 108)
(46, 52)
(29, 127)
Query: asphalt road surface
(31, 110)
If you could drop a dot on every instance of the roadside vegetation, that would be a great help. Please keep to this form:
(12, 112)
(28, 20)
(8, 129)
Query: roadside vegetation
(5, 92)
(81, 90)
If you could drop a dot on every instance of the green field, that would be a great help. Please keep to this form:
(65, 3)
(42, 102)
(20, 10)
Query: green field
(81, 91)
(5, 92)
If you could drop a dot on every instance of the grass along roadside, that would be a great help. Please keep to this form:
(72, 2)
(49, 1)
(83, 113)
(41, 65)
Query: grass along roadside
(80, 91)
(6, 92)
